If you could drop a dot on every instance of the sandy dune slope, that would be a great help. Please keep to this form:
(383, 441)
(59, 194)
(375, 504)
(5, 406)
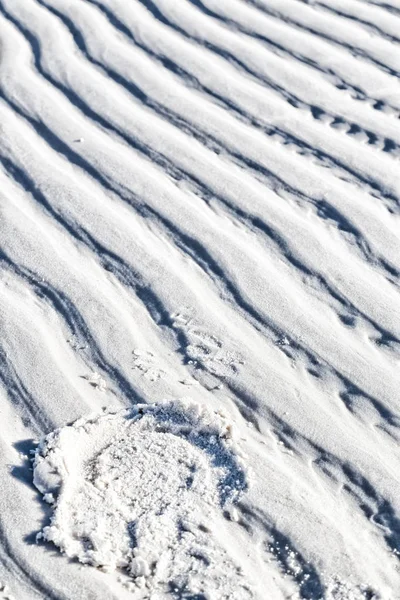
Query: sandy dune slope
(200, 299)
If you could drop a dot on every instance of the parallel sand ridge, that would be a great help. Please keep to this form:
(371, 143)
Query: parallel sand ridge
(201, 198)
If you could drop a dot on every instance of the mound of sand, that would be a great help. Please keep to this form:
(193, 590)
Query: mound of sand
(147, 491)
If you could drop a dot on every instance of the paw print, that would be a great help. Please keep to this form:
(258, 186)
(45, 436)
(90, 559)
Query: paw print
(96, 381)
(205, 350)
(144, 361)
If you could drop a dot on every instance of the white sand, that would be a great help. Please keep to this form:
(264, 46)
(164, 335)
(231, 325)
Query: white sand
(145, 491)
(200, 199)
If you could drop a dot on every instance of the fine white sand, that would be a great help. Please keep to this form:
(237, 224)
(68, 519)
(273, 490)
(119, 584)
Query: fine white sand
(145, 491)
(200, 299)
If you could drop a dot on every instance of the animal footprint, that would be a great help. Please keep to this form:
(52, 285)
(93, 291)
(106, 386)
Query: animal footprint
(144, 361)
(205, 350)
(96, 381)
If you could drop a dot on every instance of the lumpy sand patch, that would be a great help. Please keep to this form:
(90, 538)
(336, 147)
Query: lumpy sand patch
(144, 491)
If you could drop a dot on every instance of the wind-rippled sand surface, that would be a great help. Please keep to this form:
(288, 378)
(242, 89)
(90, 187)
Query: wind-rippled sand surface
(200, 199)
